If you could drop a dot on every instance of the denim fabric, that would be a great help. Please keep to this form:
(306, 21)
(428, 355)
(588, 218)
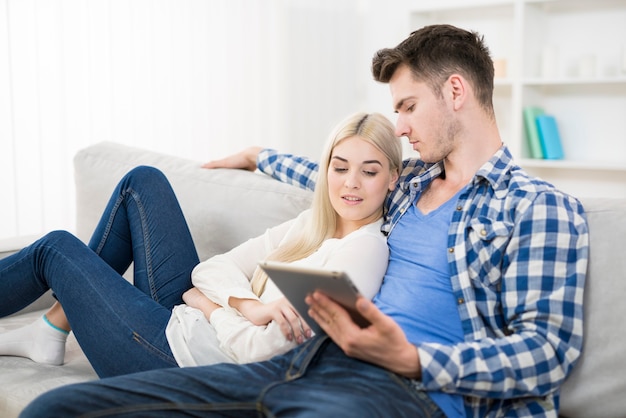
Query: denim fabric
(314, 380)
(120, 327)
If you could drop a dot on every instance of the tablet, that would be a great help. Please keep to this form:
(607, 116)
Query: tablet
(296, 282)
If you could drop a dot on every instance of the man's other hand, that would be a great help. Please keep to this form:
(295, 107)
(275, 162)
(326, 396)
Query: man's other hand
(244, 160)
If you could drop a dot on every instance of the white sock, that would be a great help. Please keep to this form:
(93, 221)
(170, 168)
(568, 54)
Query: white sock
(40, 341)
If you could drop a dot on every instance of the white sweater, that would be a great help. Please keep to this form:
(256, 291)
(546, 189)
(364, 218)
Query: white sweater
(229, 336)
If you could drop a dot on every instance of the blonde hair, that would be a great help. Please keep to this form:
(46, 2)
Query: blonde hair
(321, 225)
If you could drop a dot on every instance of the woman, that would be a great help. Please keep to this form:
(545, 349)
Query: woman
(146, 323)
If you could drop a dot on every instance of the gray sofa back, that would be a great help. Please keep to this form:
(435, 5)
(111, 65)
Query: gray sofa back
(597, 386)
(223, 207)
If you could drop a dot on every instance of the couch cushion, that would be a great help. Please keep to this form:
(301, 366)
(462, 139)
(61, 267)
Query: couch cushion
(223, 207)
(597, 386)
(22, 380)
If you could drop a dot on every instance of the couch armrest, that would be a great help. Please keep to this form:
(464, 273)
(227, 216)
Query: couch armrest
(12, 245)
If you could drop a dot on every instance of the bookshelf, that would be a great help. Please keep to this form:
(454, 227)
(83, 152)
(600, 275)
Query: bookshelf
(567, 57)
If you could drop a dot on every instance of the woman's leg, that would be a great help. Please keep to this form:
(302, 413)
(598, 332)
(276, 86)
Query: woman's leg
(119, 328)
(142, 223)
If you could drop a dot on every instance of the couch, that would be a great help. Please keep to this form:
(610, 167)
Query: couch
(225, 207)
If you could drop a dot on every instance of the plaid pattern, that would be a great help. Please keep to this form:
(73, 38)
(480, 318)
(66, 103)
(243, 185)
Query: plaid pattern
(518, 252)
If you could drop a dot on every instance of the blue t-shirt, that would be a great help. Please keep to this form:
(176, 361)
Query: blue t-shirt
(417, 291)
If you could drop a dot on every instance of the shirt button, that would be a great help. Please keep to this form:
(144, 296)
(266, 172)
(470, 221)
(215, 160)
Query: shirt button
(483, 232)
(414, 184)
(459, 207)
(460, 301)
(450, 250)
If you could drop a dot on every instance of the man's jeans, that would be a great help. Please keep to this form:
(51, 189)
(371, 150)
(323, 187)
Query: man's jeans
(120, 327)
(314, 380)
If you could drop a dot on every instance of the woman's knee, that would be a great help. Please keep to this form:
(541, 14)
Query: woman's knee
(58, 239)
(145, 174)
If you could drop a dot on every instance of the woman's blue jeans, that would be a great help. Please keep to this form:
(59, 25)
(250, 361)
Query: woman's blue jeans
(314, 380)
(119, 326)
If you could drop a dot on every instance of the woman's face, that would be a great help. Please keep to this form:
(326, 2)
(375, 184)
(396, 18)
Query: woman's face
(359, 178)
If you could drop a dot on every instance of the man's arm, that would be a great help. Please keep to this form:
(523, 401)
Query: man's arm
(532, 334)
(287, 168)
(541, 304)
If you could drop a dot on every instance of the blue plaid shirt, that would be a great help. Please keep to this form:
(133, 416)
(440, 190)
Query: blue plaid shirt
(518, 252)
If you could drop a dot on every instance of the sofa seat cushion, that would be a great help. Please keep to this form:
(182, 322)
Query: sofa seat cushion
(27, 379)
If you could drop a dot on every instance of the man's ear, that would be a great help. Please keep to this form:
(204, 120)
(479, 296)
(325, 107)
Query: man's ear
(458, 90)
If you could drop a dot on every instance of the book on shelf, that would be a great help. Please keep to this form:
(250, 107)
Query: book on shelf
(549, 137)
(530, 129)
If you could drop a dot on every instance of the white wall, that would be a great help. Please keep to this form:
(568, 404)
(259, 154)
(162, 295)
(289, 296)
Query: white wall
(194, 78)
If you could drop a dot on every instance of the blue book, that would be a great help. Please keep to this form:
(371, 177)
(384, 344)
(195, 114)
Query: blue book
(549, 137)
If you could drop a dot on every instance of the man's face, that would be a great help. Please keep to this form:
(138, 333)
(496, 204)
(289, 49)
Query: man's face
(423, 117)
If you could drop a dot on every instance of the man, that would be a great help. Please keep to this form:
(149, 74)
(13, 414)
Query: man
(480, 311)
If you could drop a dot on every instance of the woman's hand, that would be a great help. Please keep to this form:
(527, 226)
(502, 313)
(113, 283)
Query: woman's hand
(196, 299)
(291, 324)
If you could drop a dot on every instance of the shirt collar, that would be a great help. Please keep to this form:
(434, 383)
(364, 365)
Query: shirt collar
(495, 172)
